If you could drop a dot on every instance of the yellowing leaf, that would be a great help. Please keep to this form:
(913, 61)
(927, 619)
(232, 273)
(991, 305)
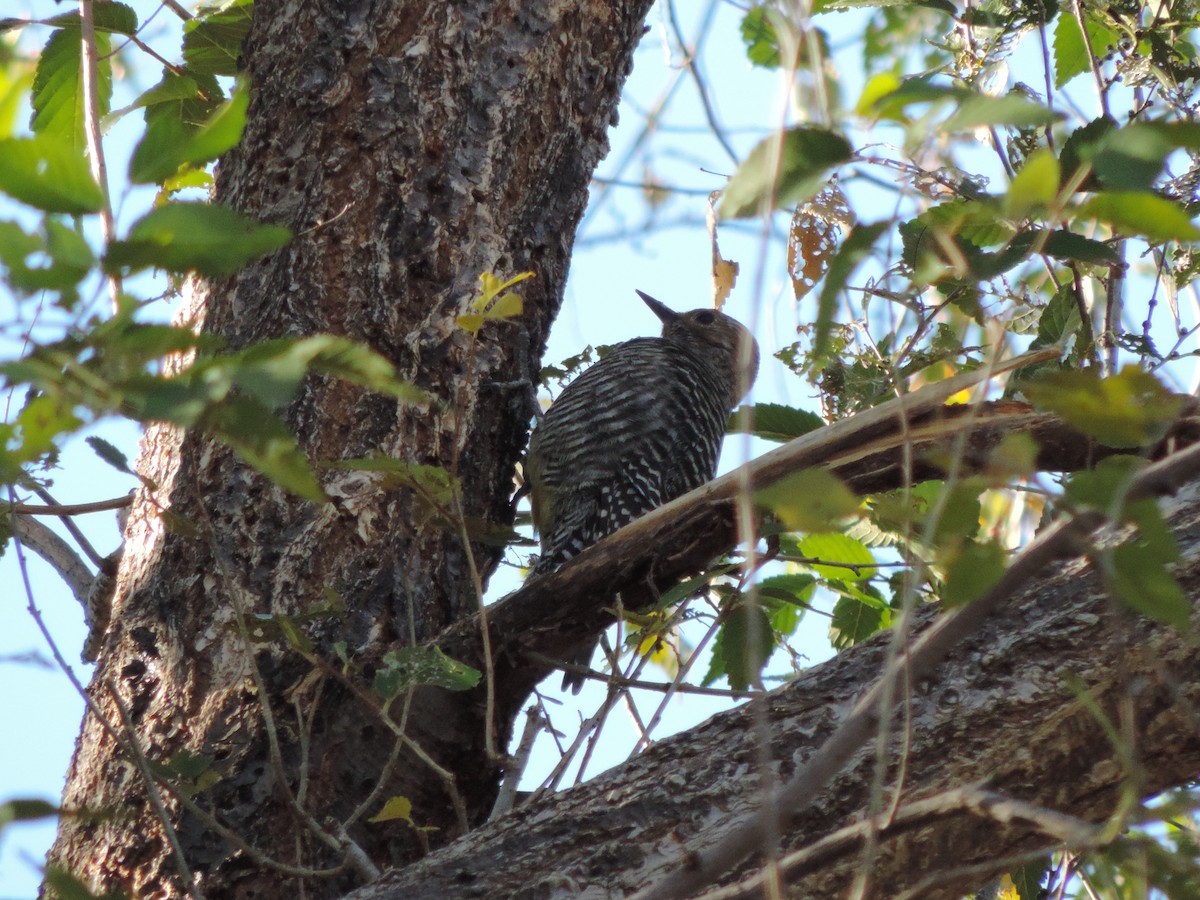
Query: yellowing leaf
(1129, 409)
(809, 500)
(395, 808)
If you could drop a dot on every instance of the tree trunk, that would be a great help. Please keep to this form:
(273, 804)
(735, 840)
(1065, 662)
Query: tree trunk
(411, 146)
(1009, 709)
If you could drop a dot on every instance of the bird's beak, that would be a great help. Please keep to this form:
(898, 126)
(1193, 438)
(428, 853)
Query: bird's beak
(665, 314)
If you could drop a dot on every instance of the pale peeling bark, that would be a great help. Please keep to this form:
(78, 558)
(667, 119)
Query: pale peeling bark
(411, 146)
(1001, 710)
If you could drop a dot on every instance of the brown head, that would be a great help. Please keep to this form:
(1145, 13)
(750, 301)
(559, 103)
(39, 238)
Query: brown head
(719, 339)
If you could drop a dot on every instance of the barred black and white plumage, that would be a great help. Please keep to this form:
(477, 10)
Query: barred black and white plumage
(639, 428)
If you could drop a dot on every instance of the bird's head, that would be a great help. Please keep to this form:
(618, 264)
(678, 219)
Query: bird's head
(724, 341)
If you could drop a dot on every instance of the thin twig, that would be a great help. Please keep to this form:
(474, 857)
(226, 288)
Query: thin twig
(975, 800)
(84, 544)
(91, 128)
(152, 792)
(71, 509)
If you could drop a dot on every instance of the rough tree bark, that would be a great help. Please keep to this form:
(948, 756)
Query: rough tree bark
(411, 146)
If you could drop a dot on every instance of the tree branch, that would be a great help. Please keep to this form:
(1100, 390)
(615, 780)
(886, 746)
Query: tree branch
(1005, 707)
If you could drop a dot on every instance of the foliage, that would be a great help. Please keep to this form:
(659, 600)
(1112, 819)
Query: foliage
(968, 213)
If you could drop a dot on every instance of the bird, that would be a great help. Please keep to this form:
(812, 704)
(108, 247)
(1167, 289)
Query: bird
(637, 429)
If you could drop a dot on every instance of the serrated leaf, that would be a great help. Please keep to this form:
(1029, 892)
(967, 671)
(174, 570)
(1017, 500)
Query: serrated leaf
(194, 237)
(796, 589)
(747, 645)
(212, 42)
(57, 94)
(1081, 145)
(879, 86)
(109, 453)
(171, 142)
(1070, 52)
(809, 500)
(856, 618)
(49, 175)
(189, 765)
(271, 371)
(774, 421)
(1129, 409)
(843, 557)
(1027, 880)
(783, 170)
(1059, 320)
(112, 17)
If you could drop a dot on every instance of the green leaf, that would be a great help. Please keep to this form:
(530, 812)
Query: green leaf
(795, 589)
(1035, 186)
(109, 453)
(1064, 244)
(809, 500)
(1144, 214)
(854, 250)
(1028, 879)
(1012, 109)
(106, 17)
(200, 237)
(1140, 579)
(1070, 51)
(1080, 147)
(66, 886)
(433, 481)
(783, 170)
(1059, 320)
(272, 370)
(774, 421)
(973, 571)
(747, 644)
(1104, 486)
(429, 666)
(212, 42)
(1129, 409)
(845, 559)
(57, 262)
(762, 44)
(57, 96)
(49, 175)
(171, 142)
(26, 810)
(264, 441)
(857, 617)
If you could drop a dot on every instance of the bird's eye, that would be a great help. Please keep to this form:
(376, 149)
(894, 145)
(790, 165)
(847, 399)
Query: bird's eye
(706, 317)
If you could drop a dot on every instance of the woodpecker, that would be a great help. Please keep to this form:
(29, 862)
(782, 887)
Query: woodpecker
(639, 428)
